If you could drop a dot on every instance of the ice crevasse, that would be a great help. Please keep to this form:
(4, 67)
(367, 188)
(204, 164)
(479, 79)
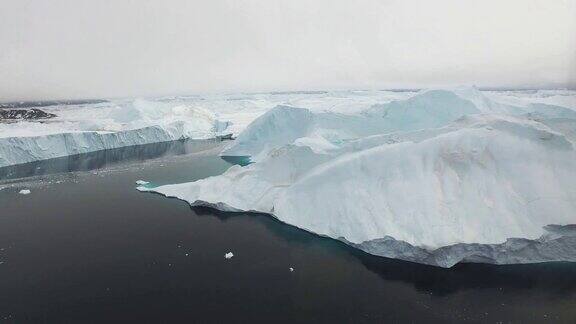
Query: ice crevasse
(445, 176)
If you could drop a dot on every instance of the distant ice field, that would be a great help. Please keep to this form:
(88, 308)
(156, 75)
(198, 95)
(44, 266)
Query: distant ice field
(116, 123)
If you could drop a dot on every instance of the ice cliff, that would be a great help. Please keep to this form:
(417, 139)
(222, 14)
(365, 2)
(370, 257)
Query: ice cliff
(100, 127)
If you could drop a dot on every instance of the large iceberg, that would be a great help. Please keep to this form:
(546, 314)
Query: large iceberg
(425, 110)
(442, 177)
(99, 127)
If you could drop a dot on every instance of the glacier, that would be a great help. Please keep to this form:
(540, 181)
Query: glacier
(438, 177)
(77, 130)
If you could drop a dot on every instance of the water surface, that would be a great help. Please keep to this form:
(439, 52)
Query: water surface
(85, 246)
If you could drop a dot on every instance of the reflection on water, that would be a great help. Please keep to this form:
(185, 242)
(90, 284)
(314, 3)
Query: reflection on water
(555, 278)
(100, 159)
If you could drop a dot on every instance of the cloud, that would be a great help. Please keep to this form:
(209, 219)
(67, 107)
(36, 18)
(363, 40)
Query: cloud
(118, 48)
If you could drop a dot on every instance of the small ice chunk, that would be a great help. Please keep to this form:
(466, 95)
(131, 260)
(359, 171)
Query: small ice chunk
(228, 255)
(291, 269)
(142, 182)
(24, 192)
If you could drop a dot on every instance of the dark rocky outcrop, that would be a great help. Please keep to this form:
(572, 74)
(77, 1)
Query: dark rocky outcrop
(34, 113)
(46, 103)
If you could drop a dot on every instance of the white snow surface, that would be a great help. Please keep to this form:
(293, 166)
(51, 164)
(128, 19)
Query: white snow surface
(117, 123)
(438, 177)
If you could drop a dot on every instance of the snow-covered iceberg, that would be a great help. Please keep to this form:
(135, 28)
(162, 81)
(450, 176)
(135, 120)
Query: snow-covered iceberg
(99, 127)
(425, 110)
(439, 178)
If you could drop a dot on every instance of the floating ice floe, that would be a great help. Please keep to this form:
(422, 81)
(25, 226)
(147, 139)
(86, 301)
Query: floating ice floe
(24, 192)
(228, 255)
(142, 182)
(439, 178)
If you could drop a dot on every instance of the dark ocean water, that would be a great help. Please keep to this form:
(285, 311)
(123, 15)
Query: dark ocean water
(85, 246)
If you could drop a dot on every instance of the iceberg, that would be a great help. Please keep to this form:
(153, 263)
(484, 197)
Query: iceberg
(442, 177)
(84, 130)
(427, 109)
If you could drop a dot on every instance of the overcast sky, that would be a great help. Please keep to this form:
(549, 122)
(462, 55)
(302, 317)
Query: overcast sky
(123, 48)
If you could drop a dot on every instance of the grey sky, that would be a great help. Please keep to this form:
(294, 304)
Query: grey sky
(118, 48)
